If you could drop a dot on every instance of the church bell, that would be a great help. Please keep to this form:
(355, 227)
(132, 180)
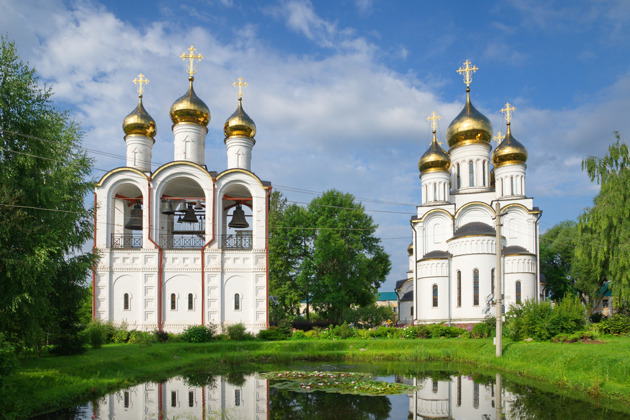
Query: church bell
(135, 218)
(167, 208)
(189, 216)
(238, 218)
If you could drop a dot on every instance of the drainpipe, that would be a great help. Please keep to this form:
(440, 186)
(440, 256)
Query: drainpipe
(160, 277)
(415, 273)
(203, 249)
(267, 252)
(450, 264)
(94, 265)
(537, 259)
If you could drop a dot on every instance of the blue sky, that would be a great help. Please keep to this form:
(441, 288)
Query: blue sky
(340, 90)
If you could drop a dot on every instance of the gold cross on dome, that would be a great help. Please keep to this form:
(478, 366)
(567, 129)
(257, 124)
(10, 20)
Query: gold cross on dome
(240, 85)
(434, 119)
(191, 57)
(498, 138)
(140, 81)
(507, 110)
(467, 72)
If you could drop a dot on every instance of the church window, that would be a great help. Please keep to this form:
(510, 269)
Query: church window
(492, 281)
(518, 292)
(476, 287)
(434, 386)
(173, 398)
(483, 173)
(435, 296)
(501, 187)
(126, 301)
(511, 185)
(459, 178)
(191, 399)
(237, 397)
(476, 395)
(126, 399)
(173, 302)
(471, 173)
(237, 302)
(435, 192)
(459, 288)
(190, 302)
(459, 391)
(411, 311)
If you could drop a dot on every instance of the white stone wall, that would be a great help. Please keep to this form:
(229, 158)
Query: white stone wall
(190, 142)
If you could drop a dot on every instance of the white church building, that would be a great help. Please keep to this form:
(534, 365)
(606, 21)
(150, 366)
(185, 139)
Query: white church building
(182, 245)
(452, 257)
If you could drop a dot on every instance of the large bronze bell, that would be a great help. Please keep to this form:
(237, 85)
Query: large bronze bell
(167, 208)
(238, 218)
(135, 218)
(189, 216)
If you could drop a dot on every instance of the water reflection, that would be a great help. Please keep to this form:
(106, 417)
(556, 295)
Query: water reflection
(440, 395)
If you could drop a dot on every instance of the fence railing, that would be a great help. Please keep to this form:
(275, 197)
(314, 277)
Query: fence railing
(241, 241)
(120, 240)
(182, 241)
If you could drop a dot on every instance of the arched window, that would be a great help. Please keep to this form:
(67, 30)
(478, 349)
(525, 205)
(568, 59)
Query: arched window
(492, 281)
(501, 187)
(237, 302)
(435, 198)
(190, 302)
(435, 296)
(483, 173)
(476, 395)
(518, 291)
(476, 287)
(471, 173)
(237, 397)
(435, 386)
(459, 178)
(459, 288)
(126, 301)
(173, 302)
(459, 391)
(511, 185)
(191, 399)
(173, 398)
(126, 399)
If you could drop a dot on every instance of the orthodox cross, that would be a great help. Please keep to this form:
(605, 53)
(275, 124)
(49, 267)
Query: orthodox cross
(140, 81)
(507, 110)
(498, 138)
(240, 85)
(191, 57)
(434, 119)
(467, 72)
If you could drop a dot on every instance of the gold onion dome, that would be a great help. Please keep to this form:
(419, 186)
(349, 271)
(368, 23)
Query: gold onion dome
(139, 122)
(509, 152)
(190, 109)
(435, 159)
(239, 124)
(410, 249)
(469, 127)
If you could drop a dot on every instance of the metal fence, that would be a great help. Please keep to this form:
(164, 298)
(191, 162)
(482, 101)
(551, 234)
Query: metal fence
(243, 240)
(182, 241)
(120, 240)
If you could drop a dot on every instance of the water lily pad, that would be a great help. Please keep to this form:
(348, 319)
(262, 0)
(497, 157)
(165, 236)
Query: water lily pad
(335, 382)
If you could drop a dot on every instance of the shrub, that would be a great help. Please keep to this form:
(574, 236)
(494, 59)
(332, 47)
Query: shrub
(161, 336)
(238, 332)
(480, 331)
(572, 338)
(298, 335)
(8, 359)
(198, 333)
(541, 321)
(273, 333)
(140, 337)
(618, 324)
(339, 332)
(121, 336)
(96, 333)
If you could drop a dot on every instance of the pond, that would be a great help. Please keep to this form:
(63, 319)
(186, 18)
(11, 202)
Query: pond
(435, 394)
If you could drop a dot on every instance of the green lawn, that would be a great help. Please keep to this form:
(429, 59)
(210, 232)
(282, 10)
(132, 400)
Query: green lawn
(51, 382)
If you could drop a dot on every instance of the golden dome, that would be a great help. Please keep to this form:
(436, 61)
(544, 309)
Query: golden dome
(469, 127)
(410, 249)
(139, 122)
(435, 159)
(190, 109)
(239, 124)
(509, 152)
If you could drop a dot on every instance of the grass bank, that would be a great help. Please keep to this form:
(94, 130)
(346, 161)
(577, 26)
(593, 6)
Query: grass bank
(600, 370)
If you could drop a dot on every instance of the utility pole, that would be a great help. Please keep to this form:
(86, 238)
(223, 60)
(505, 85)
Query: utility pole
(499, 284)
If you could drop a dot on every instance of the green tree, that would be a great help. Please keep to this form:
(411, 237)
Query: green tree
(348, 263)
(43, 185)
(602, 250)
(557, 247)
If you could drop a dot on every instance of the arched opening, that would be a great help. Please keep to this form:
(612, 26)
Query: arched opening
(237, 302)
(237, 230)
(182, 214)
(191, 302)
(492, 281)
(173, 302)
(476, 287)
(471, 174)
(126, 303)
(459, 288)
(459, 178)
(435, 295)
(126, 217)
(518, 291)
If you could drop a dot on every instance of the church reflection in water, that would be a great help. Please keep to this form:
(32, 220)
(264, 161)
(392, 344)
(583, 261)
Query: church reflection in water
(248, 397)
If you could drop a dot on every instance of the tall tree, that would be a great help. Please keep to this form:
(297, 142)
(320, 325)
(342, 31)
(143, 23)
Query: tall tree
(603, 243)
(43, 184)
(348, 263)
(557, 247)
